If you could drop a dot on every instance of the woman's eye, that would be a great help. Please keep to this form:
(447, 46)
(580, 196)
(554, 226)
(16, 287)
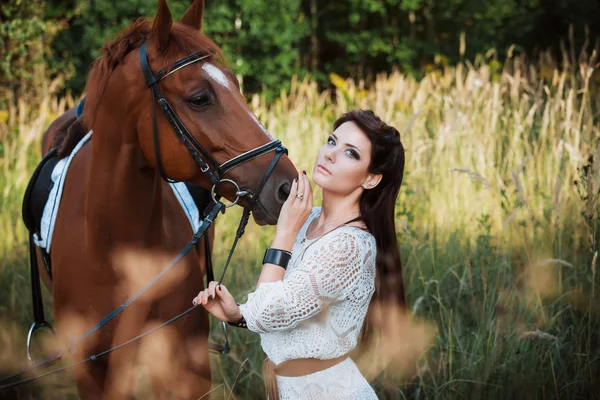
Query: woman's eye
(330, 141)
(200, 101)
(352, 154)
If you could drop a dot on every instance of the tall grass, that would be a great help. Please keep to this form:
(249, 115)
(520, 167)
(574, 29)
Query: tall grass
(497, 244)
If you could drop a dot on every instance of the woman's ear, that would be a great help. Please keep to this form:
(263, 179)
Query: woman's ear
(372, 181)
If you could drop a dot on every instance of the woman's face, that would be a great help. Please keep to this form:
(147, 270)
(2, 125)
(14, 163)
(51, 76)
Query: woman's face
(343, 161)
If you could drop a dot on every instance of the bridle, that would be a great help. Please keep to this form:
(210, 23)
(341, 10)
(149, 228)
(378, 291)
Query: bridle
(203, 159)
(215, 173)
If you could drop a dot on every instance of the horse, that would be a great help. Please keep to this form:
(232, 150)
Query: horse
(118, 216)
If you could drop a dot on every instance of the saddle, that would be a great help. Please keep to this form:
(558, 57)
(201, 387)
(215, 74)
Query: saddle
(40, 187)
(36, 196)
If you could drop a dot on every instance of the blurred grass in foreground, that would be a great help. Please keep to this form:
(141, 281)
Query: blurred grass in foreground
(497, 220)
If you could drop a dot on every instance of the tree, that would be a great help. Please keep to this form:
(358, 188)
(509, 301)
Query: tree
(268, 41)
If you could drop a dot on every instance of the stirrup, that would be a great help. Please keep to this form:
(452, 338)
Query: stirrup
(32, 329)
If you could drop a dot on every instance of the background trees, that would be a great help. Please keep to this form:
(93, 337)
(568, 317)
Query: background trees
(268, 41)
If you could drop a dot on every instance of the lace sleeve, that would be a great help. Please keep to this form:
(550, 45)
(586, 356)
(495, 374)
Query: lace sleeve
(323, 277)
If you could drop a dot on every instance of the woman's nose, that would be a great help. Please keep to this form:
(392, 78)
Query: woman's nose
(329, 156)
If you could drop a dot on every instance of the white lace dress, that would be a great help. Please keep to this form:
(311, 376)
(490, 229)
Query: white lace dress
(317, 311)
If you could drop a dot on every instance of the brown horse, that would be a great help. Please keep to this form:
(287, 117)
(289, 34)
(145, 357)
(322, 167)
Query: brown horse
(116, 204)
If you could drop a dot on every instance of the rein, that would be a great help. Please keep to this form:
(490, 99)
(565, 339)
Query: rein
(214, 171)
(206, 223)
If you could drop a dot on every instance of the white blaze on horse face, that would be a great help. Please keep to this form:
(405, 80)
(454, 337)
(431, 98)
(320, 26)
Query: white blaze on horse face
(217, 75)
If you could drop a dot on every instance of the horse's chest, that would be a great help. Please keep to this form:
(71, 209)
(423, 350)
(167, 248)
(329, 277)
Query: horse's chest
(177, 232)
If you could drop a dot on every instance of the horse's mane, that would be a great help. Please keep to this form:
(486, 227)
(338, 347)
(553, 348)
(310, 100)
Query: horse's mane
(67, 135)
(183, 39)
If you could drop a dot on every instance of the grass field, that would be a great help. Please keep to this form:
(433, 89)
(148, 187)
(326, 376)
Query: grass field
(498, 223)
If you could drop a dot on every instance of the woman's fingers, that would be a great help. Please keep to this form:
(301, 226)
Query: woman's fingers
(293, 191)
(198, 299)
(211, 292)
(307, 190)
(222, 293)
(301, 185)
(223, 290)
(307, 195)
(212, 286)
(204, 296)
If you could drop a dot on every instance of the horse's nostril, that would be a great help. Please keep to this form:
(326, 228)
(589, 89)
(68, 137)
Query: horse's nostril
(283, 192)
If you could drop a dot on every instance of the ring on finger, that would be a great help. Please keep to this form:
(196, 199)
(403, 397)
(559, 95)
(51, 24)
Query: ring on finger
(299, 196)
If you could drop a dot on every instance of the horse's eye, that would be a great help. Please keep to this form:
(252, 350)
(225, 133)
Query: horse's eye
(200, 100)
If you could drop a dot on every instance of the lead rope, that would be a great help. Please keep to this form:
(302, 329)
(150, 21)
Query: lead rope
(96, 356)
(210, 276)
(240, 231)
(206, 223)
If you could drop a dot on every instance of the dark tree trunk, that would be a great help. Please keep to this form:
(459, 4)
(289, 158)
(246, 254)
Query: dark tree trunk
(314, 38)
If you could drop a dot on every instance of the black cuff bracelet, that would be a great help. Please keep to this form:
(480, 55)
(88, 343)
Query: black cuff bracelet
(240, 323)
(277, 257)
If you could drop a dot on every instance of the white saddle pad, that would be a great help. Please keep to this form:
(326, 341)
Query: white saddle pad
(59, 173)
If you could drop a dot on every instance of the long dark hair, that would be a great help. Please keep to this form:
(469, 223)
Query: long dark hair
(377, 209)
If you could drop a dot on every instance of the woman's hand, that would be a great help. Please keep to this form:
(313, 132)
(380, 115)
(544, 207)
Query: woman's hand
(296, 208)
(217, 300)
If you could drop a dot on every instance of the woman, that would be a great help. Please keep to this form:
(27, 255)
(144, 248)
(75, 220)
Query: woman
(326, 266)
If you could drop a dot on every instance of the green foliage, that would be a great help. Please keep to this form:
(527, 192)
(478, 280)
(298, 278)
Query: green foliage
(267, 42)
(89, 26)
(24, 39)
(265, 50)
(376, 34)
(514, 304)
(21, 24)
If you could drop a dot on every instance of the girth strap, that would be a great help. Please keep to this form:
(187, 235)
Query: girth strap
(36, 289)
(37, 300)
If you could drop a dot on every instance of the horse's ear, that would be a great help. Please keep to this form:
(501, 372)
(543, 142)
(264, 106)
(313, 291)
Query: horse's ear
(193, 16)
(162, 24)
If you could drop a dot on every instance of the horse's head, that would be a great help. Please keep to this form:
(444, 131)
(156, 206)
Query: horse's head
(206, 101)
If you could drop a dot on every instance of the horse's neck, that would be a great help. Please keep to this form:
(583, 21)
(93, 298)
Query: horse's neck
(124, 198)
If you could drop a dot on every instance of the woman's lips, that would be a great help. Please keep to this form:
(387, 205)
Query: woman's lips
(323, 169)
